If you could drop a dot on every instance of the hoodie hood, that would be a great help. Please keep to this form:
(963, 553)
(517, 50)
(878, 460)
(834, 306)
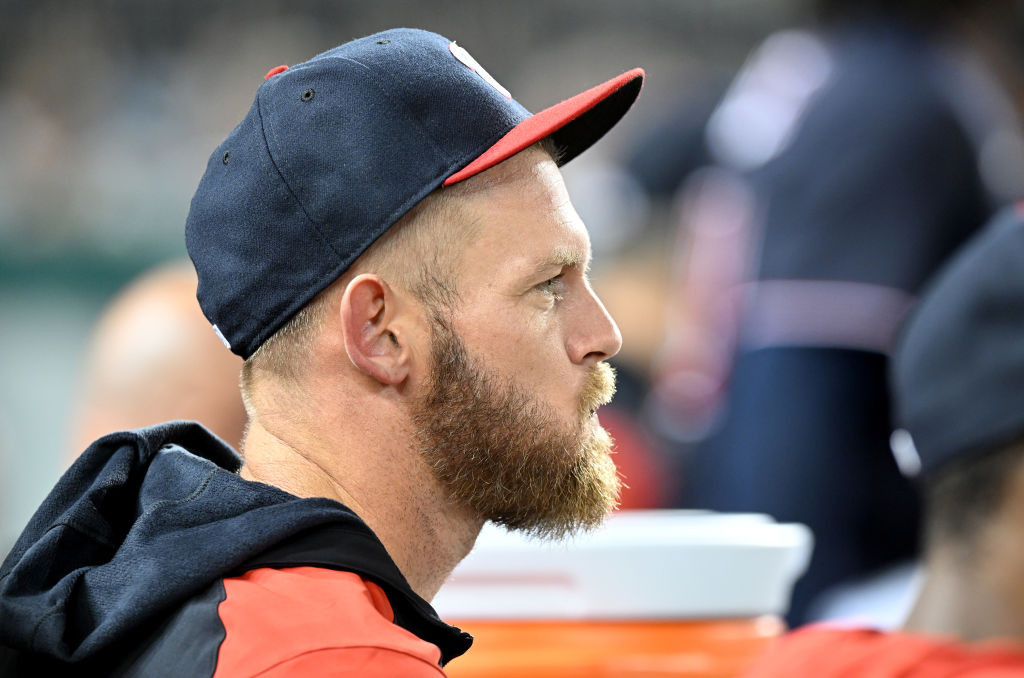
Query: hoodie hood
(145, 520)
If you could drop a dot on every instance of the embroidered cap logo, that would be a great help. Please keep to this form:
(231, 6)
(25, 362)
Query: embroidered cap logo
(466, 58)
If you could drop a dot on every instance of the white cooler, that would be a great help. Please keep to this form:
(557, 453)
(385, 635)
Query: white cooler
(650, 593)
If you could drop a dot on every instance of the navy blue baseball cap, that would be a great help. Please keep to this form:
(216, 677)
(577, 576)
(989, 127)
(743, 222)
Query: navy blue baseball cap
(335, 150)
(958, 369)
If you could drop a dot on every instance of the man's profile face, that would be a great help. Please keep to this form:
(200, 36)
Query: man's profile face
(507, 422)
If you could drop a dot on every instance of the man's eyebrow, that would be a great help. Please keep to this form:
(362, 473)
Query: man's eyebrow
(564, 257)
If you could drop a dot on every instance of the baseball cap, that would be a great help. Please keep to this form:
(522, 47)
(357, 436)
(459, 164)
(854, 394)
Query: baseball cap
(335, 150)
(958, 369)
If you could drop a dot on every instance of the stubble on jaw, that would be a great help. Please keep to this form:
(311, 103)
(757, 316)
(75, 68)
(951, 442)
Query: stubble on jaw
(498, 451)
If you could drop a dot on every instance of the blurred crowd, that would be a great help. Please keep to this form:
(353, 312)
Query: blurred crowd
(764, 228)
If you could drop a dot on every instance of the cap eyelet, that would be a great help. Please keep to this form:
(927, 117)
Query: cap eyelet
(307, 95)
(383, 42)
(227, 154)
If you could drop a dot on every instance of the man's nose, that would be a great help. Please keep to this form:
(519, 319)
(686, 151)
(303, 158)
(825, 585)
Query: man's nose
(596, 336)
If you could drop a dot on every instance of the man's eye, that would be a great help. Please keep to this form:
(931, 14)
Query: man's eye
(553, 286)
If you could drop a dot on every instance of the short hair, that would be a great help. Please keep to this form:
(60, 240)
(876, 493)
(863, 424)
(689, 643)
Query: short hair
(965, 494)
(419, 253)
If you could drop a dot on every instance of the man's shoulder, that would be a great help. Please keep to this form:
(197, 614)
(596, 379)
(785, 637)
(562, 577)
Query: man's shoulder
(291, 621)
(828, 652)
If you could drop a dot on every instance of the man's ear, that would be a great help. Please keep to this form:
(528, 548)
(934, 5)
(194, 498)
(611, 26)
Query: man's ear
(368, 321)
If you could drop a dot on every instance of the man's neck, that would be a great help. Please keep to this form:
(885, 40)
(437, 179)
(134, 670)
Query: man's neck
(392, 490)
(967, 598)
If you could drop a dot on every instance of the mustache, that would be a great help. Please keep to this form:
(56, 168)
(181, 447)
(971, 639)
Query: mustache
(598, 388)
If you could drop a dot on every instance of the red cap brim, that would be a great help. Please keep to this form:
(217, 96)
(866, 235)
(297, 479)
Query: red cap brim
(574, 124)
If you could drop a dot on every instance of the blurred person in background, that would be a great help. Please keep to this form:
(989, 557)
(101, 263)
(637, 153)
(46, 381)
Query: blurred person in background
(5, 544)
(153, 358)
(958, 385)
(850, 161)
(387, 241)
(631, 284)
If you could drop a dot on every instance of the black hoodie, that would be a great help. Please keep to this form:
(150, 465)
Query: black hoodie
(120, 571)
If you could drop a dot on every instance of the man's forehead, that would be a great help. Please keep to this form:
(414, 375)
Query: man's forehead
(533, 163)
(521, 211)
(532, 175)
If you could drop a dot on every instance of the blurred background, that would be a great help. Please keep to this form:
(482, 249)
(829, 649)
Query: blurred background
(760, 120)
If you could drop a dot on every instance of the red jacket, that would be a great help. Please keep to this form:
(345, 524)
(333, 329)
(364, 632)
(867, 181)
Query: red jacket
(824, 652)
(310, 621)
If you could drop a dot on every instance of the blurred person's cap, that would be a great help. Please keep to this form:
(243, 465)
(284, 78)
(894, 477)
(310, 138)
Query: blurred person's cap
(335, 150)
(958, 371)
